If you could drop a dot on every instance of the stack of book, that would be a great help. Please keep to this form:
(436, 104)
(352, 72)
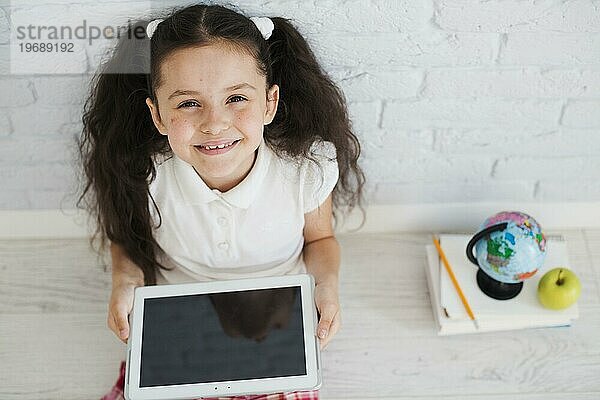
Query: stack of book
(520, 312)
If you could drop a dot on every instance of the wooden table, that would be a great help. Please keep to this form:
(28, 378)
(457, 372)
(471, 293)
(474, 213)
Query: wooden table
(54, 343)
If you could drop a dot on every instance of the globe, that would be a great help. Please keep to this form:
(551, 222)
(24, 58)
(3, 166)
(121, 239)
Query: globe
(510, 247)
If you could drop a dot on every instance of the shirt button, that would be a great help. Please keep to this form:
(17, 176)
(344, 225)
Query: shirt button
(222, 221)
(223, 246)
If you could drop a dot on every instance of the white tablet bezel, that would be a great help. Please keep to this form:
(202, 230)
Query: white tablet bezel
(310, 381)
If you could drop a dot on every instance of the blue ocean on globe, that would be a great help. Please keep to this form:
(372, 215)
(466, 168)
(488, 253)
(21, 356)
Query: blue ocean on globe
(515, 253)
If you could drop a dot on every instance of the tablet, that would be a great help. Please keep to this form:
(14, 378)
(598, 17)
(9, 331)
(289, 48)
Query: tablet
(223, 338)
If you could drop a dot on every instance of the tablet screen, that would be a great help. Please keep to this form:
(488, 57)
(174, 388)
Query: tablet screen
(222, 337)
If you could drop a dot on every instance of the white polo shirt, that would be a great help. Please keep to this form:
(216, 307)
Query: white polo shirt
(254, 229)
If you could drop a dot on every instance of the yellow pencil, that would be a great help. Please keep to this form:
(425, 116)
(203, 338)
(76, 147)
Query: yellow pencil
(455, 282)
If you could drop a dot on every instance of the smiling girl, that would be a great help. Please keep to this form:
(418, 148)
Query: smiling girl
(227, 160)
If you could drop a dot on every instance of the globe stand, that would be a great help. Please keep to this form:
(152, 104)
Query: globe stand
(496, 289)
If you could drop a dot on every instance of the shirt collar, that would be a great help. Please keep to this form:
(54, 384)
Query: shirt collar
(195, 191)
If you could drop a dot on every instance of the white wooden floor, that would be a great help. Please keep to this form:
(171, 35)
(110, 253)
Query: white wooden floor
(54, 343)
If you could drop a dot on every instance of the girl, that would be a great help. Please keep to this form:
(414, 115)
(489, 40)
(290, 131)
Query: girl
(226, 160)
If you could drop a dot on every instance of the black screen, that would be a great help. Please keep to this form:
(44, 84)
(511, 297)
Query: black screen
(222, 337)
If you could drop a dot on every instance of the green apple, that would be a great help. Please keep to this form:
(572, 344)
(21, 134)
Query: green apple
(559, 288)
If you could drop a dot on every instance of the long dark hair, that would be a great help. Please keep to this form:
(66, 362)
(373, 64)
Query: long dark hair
(119, 140)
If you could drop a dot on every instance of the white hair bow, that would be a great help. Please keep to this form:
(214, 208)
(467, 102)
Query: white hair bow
(264, 25)
(151, 27)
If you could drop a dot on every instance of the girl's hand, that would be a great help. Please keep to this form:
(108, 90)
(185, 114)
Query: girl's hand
(119, 307)
(328, 305)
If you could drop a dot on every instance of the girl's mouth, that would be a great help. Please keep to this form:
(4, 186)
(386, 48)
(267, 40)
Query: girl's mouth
(217, 149)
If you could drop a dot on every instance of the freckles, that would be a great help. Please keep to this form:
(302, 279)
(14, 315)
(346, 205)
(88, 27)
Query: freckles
(178, 121)
(179, 124)
(244, 116)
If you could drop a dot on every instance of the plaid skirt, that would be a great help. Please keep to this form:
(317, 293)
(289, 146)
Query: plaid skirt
(116, 393)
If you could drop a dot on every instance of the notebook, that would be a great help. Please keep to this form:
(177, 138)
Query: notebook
(523, 311)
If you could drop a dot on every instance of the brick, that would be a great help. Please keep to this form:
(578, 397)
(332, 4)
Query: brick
(518, 16)
(4, 60)
(16, 92)
(582, 114)
(428, 169)
(373, 85)
(42, 176)
(570, 190)
(467, 113)
(364, 117)
(398, 143)
(24, 151)
(454, 191)
(518, 142)
(33, 120)
(352, 16)
(512, 83)
(551, 49)
(14, 200)
(5, 125)
(50, 199)
(557, 169)
(422, 49)
(4, 27)
(53, 91)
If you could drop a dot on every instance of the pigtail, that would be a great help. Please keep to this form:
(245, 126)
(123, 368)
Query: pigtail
(116, 150)
(311, 108)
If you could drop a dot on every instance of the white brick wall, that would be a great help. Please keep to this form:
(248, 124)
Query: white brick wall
(453, 100)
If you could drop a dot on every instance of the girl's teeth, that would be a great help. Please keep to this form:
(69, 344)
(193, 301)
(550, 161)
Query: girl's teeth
(221, 146)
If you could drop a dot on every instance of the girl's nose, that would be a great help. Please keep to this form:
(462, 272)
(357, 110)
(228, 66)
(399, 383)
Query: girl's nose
(215, 122)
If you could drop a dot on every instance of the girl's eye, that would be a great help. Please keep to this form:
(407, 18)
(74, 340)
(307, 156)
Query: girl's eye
(237, 97)
(187, 102)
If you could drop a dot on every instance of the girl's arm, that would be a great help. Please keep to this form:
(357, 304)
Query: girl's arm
(322, 258)
(126, 276)
(124, 271)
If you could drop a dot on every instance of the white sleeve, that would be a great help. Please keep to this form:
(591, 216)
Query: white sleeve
(319, 179)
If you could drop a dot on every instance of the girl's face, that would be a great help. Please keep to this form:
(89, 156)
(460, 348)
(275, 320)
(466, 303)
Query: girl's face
(213, 105)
